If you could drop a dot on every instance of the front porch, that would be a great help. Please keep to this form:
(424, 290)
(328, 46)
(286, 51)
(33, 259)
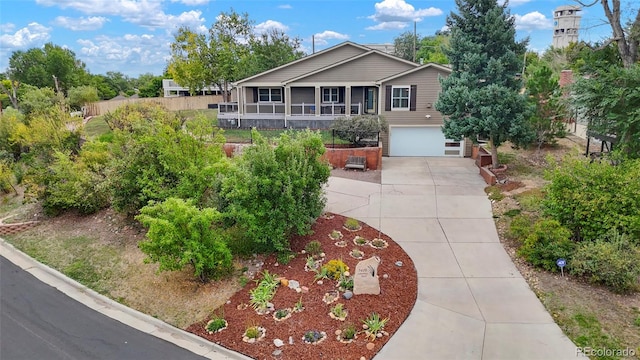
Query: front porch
(296, 107)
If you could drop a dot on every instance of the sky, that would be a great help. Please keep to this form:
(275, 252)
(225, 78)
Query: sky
(133, 36)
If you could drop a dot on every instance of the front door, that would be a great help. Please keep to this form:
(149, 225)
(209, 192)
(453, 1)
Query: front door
(370, 100)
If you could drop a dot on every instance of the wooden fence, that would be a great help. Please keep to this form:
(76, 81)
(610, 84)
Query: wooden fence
(171, 103)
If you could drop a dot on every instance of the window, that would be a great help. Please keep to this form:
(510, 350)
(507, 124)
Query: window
(400, 98)
(270, 95)
(330, 95)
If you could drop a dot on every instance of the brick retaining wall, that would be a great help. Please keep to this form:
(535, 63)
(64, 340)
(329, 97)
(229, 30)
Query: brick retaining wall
(10, 229)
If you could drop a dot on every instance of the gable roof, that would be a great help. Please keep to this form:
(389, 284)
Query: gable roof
(306, 58)
(348, 60)
(419, 68)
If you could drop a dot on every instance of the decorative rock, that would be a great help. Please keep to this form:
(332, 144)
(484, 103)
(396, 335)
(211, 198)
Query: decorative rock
(276, 352)
(278, 342)
(364, 326)
(347, 294)
(385, 276)
(379, 335)
(363, 358)
(228, 301)
(304, 289)
(398, 263)
(365, 279)
(370, 346)
(322, 255)
(338, 332)
(293, 284)
(284, 282)
(276, 264)
(298, 290)
(270, 306)
(346, 274)
(320, 282)
(290, 340)
(303, 252)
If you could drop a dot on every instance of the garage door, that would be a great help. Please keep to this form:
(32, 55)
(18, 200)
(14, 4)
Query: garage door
(421, 141)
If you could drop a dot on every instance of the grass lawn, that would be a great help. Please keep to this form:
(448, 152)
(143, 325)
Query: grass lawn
(96, 127)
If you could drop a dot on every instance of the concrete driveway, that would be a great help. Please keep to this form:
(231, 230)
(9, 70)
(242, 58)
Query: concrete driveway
(472, 301)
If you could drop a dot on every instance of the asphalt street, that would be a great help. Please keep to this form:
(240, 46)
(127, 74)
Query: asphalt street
(39, 322)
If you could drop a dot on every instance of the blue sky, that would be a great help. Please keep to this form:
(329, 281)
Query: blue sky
(133, 36)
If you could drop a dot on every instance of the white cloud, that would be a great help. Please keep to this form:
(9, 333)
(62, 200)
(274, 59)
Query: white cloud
(7, 27)
(532, 21)
(445, 28)
(513, 2)
(270, 24)
(285, 6)
(192, 2)
(389, 25)
(321, 38)
(148, 14)
(133, 53)
(80, 24)
(31, 36)
(390, 13)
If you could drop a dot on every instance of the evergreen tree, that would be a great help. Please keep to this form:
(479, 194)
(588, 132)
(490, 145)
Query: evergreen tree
(482, 96)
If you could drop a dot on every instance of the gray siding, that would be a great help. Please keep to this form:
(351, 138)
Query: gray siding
(303, 95)
(368, 68)
(308, 65)
(428, 88)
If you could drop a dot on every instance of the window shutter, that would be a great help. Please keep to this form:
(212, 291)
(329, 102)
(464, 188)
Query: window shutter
(255, 95)
(387, 98)
(413, 98)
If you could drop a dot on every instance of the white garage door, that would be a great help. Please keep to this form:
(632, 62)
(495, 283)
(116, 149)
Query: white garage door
(421, 141)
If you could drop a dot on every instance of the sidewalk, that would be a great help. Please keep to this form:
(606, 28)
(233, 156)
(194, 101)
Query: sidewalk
(472, 301)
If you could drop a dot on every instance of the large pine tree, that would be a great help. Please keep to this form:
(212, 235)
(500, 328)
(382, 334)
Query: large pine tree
(482, 96)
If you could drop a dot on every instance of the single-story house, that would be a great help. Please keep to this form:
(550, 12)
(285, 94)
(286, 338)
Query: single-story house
(345, 80)
(172, 89)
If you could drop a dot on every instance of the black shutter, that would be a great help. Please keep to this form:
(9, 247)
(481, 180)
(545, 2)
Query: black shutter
(387, 98)
(255, 95)
(412, 98)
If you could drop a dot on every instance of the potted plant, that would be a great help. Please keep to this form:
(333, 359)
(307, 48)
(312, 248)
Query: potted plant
(338, 312)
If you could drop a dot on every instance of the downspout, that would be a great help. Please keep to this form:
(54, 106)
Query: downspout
(238, 94)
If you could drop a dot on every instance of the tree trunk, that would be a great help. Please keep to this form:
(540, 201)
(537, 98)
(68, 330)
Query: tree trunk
(494, 154)
(627, 45)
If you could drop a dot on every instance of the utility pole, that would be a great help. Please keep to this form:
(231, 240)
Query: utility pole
(415, 36)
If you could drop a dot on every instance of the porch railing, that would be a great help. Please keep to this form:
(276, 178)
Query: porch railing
(264, 108)
(227, 108)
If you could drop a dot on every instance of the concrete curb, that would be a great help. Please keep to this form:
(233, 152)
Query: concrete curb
(115, 310)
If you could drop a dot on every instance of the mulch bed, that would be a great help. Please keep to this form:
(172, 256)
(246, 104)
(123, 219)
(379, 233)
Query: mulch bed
(397, 298)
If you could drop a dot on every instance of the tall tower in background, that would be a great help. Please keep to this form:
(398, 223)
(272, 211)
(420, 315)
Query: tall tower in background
(566, 22)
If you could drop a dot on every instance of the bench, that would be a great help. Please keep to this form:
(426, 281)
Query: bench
(356, 162)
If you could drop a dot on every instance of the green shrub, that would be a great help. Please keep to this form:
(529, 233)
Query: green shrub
(520, 227)
(612, 261)
(273, 193)
(530, 200)
(546, 243)
(352, 224)
(357, 129)
(335, 268)
(313, 248)
(591, 199)
(180, 235)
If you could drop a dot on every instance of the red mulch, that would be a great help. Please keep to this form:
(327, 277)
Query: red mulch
(398, 295)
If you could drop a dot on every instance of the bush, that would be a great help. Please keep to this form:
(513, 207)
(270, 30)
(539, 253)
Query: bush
(273, 193)
(313, 248)
(546, 243)
(335, 269)
(357, 129)
(591, 199)
(180, 235)
(520, 227)
(612, 261)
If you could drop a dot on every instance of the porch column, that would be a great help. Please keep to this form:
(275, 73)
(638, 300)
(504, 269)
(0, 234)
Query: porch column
(287, 100)
(318, 95)
(240, 100)
(347, 101)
